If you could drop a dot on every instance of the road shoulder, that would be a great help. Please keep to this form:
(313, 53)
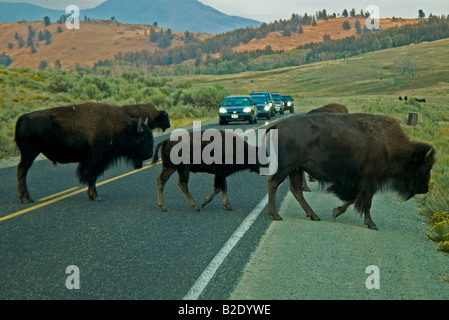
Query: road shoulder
(301, 259)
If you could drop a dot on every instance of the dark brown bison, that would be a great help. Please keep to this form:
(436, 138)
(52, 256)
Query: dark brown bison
(221, 169)
(93, 134)
(157, 118)
(356, 155)
(331, 107)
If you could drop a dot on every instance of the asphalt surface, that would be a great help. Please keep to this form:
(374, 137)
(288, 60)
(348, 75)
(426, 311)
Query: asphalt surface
(123, 247)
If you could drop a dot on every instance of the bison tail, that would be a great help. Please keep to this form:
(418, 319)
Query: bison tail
(156, 151)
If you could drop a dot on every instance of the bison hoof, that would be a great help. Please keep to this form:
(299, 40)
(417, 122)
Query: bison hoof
(306, 189)
(278, 218)
(374, 227)
(26, 201)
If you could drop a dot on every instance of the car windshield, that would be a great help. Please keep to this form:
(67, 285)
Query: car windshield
(237, 102)
(287, 98)
(260, 100)
(277, 99)
(265, 94)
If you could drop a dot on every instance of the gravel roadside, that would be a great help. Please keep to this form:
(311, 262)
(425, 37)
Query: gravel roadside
(302, 259)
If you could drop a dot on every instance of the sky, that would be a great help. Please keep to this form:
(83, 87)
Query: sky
(271, 10)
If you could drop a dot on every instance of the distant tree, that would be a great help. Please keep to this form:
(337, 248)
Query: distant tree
(48, 37)
(31, 36)
(60, 29)
(345, 13)
(43, 65)
(47, 21)
(20, 40)
(155, 24)
(352, 13)
(58, 64)
(326, 37)
(421, 14)
(358, 27)
(346, 25)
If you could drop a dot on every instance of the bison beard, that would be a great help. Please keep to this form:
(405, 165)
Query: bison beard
(356, 155)
(93, 134)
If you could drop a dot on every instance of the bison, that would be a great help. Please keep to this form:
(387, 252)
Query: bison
(221, 169)
(356, 155)
(331, 107)
(93, 134)
(157, 118)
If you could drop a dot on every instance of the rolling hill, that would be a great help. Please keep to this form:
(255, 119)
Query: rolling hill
(103, 39)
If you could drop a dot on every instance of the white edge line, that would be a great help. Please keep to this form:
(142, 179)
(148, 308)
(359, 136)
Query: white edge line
(201, 283)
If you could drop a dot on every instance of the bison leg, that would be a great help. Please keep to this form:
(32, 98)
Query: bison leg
(342, 209)
(219, 185)
(305, 187)
(367, 220)
(88, 172)
(161, 180)
(26, 160)
(182, 183)
(296, 187)
(273, 184)
(363, 204)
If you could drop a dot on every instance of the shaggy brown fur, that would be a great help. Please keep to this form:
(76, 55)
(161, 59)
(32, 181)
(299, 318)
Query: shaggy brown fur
(93, 134)
(355, 154)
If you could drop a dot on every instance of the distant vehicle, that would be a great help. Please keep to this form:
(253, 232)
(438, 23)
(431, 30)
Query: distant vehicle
(279, 106)
(263, 106)
(267, 94)
(287, 101)
(237, 108)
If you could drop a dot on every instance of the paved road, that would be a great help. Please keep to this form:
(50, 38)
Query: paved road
(124, 247)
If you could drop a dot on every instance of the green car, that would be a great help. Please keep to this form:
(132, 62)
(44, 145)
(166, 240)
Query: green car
(237, 108)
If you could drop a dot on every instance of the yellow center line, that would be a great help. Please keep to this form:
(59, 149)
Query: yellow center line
(67, 195)
(57, 194)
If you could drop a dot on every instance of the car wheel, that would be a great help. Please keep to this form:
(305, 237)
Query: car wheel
(269, 115)
(292, 110)
(282, 110)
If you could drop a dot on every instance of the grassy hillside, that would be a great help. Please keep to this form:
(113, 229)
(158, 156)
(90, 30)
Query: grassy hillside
(94, 41)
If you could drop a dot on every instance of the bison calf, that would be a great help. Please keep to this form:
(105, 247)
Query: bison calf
(221, 170)
(93, 134)
(355, 154)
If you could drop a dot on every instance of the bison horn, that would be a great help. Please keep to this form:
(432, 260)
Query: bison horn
(146, 121)
(139, 126)
(431, 150)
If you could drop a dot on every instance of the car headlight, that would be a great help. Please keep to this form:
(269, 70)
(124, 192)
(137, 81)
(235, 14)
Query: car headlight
(247, 110)
(267, 108)
(271, 103)
(222, 110)
(289, 104)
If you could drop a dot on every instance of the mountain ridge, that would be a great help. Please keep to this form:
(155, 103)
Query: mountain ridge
(179, 15)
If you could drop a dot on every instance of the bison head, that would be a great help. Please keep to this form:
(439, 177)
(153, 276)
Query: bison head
(140, 143)
(416, 177)
(163, 121)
